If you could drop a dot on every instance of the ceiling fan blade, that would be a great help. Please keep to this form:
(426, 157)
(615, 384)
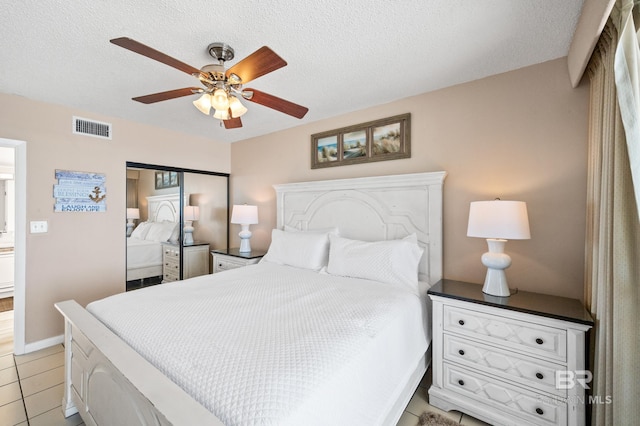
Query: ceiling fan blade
(149, 52)
(232, 123)
(259, 63)
(171, 94)
(276, 103)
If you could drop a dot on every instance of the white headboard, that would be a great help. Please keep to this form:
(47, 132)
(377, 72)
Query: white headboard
(164, 207)
(371, 209)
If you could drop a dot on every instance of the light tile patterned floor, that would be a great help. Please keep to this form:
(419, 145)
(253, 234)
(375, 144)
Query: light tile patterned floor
(31, 388)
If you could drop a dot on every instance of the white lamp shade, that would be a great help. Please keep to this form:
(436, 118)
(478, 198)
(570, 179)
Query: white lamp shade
(499, 219)
(219, 100)
(244, 214)
(203, 103)
(133, 213)
(191, 213)
(236, 107)
(221, 114)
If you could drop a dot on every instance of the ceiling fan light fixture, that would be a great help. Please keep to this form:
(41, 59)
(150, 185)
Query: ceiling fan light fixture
(221, 114)
(220, 100)
(236, 107)
(203, 104)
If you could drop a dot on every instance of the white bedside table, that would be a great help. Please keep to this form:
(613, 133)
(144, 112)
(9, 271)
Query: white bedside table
(508, 360)
(230, 259)
(196, 261)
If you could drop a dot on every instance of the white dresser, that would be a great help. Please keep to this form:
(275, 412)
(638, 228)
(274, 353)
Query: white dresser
(508, 360)
(232, 258)
(196, 261)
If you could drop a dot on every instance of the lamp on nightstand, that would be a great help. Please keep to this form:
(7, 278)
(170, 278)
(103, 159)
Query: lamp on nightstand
(132, 213)
(191, 213)
(244, 216)
(498, 221)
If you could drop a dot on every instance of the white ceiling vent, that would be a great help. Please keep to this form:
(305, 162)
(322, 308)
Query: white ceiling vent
(83, 126)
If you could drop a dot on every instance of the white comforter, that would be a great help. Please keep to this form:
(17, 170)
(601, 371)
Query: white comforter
(275, 345)
(143, 253)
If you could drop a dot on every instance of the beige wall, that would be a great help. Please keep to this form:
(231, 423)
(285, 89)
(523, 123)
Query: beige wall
(518, 136)
(82, 256)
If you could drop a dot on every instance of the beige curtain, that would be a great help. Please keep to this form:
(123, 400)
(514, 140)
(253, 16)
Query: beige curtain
(612, 288)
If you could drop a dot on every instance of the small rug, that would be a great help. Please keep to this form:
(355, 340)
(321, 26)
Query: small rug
(435, 419)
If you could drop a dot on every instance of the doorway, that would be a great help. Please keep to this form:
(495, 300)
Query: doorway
(13, 163)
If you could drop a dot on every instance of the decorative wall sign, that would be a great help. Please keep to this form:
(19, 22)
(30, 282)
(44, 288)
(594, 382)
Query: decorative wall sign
(79, 192)
(385, 139)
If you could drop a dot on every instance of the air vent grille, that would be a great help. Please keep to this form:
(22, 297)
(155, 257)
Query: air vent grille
(83, 126)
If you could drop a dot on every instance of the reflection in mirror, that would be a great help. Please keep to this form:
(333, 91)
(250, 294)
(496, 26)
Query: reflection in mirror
(174, 218)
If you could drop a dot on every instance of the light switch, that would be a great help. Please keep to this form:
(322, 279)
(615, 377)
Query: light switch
(39, 226)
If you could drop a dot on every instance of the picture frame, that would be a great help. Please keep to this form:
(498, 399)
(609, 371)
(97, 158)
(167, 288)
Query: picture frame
(167, 180)
(379, 140)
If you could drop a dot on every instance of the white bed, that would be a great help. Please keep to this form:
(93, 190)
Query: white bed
(356, 356)
(144, 256)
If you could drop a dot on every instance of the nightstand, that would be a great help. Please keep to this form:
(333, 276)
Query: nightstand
(196, 261)
(230, 259)
(509, 360)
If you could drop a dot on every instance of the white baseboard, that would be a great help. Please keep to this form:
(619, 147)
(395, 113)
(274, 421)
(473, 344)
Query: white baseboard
(42, 344)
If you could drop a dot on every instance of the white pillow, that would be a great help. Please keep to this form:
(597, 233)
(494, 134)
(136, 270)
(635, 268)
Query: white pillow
(140, 231)
(160, 231)
(308, 250)
(393, 261)
(175, 234)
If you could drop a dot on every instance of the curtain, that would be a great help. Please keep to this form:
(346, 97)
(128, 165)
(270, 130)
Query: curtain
(627, 72)
(612, 287)
(132, 192)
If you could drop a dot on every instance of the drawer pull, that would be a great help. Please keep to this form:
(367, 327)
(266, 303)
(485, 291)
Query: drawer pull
(461, 322)
(539, 341)
(539, 376)
(461, 352)
(539, 411)
(461, 382)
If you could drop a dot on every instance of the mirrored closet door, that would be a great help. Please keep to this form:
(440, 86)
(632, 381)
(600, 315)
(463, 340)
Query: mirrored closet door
(175, 217)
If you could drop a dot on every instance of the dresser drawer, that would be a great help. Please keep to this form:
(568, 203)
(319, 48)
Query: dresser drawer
(170, 252)
(520, 402)
(518, 368)
(513, 334)
(224, 265)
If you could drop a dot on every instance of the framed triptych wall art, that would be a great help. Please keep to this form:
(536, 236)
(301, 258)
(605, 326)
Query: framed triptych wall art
(379, 140)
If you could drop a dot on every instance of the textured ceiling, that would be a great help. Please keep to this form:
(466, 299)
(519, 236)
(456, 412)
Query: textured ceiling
(343, 55)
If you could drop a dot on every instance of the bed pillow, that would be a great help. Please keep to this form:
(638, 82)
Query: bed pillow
(140, 232)
(394, 261)
(175, 234)
(308, 250)
(160, 231)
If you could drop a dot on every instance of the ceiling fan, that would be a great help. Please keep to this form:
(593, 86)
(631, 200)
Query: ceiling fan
(222, 88)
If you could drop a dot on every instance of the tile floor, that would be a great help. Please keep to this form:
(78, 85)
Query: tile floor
(31, 388)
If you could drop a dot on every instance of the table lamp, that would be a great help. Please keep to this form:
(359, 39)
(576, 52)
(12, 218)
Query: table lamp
(244, 216)
(191, 213)
(498, 221)
(132, 213)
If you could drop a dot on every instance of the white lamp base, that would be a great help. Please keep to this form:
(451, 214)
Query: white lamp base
(245, 235)
(130, 226)
(496, 261)
(188, 232)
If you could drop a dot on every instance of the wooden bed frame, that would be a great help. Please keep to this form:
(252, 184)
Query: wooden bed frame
(109, 383)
